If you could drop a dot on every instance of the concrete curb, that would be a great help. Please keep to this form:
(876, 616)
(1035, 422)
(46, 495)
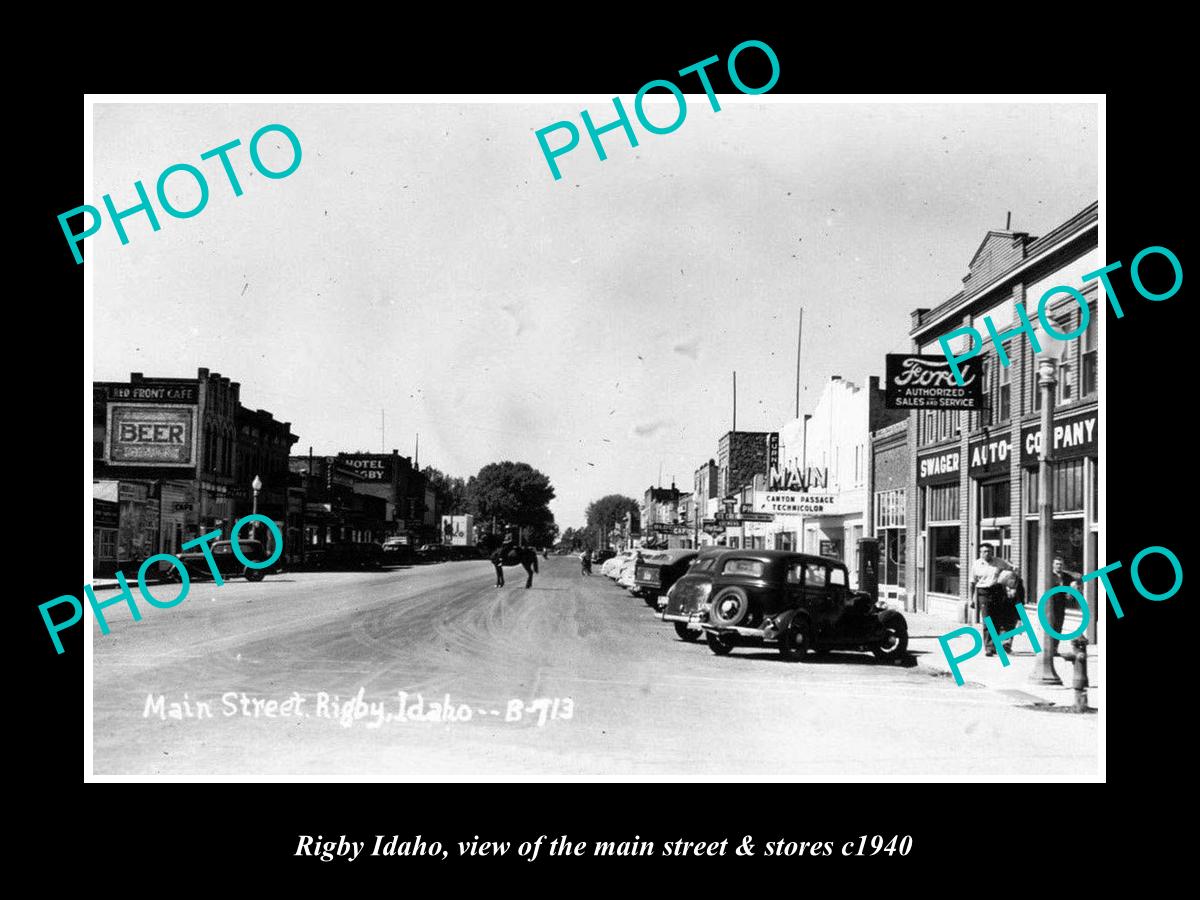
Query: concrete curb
(1012, 680)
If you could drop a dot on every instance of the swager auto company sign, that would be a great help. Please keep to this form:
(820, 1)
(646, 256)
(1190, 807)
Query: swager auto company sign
(926, 382)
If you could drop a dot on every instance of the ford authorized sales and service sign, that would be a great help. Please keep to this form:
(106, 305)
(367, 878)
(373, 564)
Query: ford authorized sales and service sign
(926, 382)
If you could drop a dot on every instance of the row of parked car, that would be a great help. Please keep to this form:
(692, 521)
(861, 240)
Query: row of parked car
(731, 598)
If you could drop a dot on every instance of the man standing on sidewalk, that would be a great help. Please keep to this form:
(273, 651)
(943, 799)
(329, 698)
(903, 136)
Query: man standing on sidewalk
(1060, 576)
(987, 595)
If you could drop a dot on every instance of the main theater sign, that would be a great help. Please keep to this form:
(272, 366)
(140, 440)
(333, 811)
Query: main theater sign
(792, 479)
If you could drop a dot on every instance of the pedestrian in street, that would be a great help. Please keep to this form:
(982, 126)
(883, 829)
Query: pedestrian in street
(987, 594)
(585, 562)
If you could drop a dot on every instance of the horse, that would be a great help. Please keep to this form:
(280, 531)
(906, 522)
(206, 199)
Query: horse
(515, 556)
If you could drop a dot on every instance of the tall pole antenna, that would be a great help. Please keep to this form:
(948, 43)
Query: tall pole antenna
(735, 400)
(417, 453)
(799, 335)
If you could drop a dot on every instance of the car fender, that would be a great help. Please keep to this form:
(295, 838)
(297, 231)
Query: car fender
(785, 618)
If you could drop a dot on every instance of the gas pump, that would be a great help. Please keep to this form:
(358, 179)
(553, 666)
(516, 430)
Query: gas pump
(868, 566)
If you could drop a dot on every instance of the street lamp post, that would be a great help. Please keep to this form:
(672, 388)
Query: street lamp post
(255, 486)
(1043, 672)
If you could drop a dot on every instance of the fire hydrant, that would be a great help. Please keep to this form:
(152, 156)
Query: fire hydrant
(1078, 656)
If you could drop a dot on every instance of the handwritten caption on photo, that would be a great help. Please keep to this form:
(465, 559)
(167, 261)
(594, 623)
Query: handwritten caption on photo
(126, 595)
(344, 849)
(376, 713)
(1085, 618)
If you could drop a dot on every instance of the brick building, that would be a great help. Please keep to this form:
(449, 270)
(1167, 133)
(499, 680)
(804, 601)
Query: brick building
(973, 475)
(177, 457)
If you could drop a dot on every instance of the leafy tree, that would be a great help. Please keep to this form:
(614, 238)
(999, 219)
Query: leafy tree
(451, 489)
(609, 510)
(514, 493)
(579, 539)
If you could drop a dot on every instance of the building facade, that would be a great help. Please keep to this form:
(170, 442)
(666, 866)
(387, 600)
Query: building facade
(178, 457)
(887, 486)
(974, 474)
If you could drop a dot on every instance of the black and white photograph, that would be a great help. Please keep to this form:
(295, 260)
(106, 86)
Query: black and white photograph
(521, 438)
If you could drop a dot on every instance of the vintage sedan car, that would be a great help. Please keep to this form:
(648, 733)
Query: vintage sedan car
(796, 601)
(689, 592)
(431, 553)
(224, 559)
(397, 550)
(654, 577)
(612, 567)
(628, 572)
(599, 557)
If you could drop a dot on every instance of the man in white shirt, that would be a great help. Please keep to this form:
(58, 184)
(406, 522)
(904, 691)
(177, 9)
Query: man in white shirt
(987, 594)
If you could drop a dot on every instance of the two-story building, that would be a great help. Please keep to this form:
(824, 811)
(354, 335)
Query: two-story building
(974, 473)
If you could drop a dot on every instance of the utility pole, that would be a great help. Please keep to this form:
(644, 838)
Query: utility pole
(799, 335)
(1043, 670)
(735, 401)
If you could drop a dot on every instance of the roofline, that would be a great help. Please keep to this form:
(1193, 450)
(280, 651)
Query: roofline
(1035, 251)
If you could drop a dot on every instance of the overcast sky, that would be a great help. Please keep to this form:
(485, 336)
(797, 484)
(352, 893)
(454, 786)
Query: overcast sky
(423, 261)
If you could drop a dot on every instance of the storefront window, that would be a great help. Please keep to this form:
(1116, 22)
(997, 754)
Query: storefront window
(994, 500)
(889, 509)
(1068, 485)
(943, 550)
(1066, 540)
(943, 503)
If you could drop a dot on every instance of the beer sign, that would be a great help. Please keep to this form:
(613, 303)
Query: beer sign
(146, 435)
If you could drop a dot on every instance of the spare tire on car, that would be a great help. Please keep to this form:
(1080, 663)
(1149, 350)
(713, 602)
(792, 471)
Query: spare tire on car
(729, 607)
(895, 644)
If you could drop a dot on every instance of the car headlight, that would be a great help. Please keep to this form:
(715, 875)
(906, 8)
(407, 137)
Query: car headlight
(881, 604)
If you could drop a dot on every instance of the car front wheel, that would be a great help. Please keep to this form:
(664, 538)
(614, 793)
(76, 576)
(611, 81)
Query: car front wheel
(686, 634)
(721, 644)
(796, 640)
(254, 574)
(894, 644)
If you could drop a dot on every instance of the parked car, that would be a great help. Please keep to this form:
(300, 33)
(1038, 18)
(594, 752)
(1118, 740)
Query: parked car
(654, 577)
(224, 559)
(797, 601)
(685, 596)
(397, 550)
(612, 567)
(599, 557)
(625, 578)
(430, 553)
(350, 555)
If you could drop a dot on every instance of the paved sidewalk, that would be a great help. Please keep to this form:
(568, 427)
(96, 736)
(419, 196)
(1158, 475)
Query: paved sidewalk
(1013, 680)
